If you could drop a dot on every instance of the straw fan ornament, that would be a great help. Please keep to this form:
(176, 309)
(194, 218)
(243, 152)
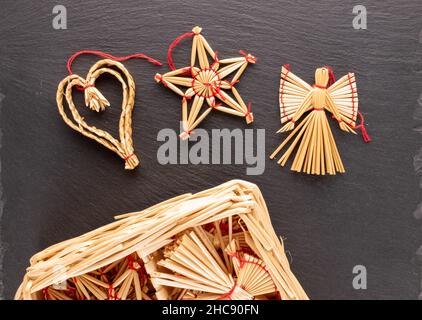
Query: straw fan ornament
(97, 102)
(316, 149)
(215, 244)
(206, 83)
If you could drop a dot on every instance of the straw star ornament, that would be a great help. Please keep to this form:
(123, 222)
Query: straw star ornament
(207, 83)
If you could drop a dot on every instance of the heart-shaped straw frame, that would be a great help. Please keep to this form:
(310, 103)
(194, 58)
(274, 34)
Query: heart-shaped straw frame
(123, 147)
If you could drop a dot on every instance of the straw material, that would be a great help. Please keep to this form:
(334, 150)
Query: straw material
(215, 244)
(316, 149)
(96, 101)
(207, 84)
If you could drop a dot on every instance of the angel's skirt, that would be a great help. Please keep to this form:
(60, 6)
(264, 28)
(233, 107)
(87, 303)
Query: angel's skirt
(316, 149)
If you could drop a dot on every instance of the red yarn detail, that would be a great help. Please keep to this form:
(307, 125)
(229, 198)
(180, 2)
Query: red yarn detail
(353, 96)
(248, 57)
(176, 41)
(128, 157)
(224, 227)
(229, 293)
(216, 57)
(231, 84)
(249, 110)
(361, 126)
(188, 132)
(159, 77)
(110, 294)
(318, 109)
(319, 87)
(242, 262)
(86, 87)
(46, 294)
(216, 105)
(287, 66)
(214, 91)
(331, 78)
(109, 56)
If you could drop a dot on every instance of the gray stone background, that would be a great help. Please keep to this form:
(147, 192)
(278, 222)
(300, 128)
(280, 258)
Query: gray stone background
(56, 184)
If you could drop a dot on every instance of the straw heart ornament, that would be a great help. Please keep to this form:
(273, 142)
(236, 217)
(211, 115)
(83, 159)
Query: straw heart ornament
(206, 83)
(96, 101)
(316, 149)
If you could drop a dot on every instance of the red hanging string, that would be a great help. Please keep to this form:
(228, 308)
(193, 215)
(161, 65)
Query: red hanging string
(109, 56)
(176, 41)
(361, 126)
(331, 78)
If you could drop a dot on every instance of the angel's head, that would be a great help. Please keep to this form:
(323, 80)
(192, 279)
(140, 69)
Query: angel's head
(324, 77)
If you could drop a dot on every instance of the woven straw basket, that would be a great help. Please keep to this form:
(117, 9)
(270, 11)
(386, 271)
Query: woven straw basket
(215, 244)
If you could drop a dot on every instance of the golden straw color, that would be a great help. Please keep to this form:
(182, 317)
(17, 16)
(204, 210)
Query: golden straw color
(207, 83)
(312, 137)
(215, 244)
(95, 100)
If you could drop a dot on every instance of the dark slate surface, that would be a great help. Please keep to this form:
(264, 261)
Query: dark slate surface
(57, 184)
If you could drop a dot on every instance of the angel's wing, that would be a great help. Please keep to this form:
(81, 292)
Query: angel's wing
(293, 91)
(345, 97)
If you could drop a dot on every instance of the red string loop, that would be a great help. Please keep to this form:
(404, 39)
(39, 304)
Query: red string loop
(173, 45)
(106, 56)
(331, 78)
(109, 56)
(361, 126)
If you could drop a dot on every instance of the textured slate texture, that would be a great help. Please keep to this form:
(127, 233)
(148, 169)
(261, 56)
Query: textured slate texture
(57, 184)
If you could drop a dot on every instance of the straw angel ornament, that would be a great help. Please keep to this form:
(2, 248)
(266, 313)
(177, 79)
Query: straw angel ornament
(317, 152)
(207, 83)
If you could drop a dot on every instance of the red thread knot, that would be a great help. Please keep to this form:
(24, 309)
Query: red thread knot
(365, 136)
(216, 105)
(129, 156)
(159, 78)
(233, 82)
(216, 57)
(249, 110)
(84, 88)
(249, 58)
